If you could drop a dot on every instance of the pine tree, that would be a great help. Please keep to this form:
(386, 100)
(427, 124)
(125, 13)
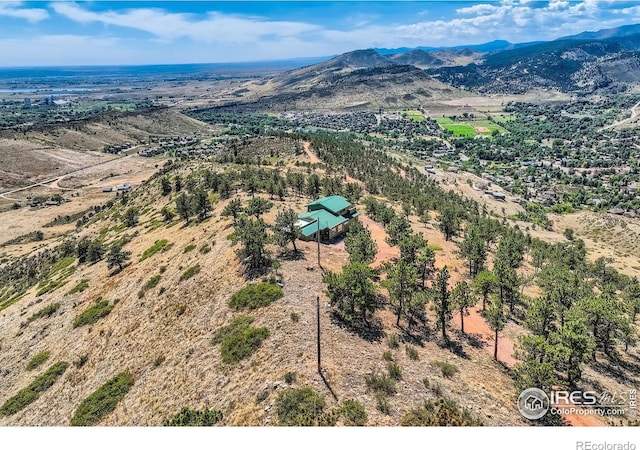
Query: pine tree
(485, 283)
(258, 206)
(497, 321)
(183, 207)
(285, 230)
(449, 221)
(201, 204)
(360, 245)
(117, 257)
(353, 291)
(441, 300)
(233, 209)
(463, 299)
(401, 284)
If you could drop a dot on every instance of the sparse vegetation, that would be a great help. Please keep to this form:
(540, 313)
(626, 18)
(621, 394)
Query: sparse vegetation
(290, 377)
(448, 370)
(393, 341)
(47, 311)
(31, 393)
(239, 339)
(380, 383)
(161, 245)
(412, 353)
(438, 413)
(256, 296)
(190, 272)
(195, 418)
(189, 248)
(150, 284)
(94, 313)
(80, 287)
(102, 401)
(38, 359)
(394, 370)
(299, 407)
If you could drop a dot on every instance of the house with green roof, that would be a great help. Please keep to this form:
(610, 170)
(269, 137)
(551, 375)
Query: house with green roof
(329, 215)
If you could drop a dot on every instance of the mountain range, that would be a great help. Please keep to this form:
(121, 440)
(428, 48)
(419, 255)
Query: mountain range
(605, 61)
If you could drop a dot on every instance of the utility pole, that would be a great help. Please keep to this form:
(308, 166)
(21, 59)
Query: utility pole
(318, 332)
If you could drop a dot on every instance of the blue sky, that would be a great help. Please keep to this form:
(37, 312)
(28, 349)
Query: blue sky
(156, 32)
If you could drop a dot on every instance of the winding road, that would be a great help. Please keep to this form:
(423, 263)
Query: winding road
(634, 114)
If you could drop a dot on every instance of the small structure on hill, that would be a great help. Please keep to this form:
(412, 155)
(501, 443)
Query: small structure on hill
(331, 215)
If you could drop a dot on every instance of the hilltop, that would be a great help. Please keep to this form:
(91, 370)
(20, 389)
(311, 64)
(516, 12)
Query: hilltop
(163, 310)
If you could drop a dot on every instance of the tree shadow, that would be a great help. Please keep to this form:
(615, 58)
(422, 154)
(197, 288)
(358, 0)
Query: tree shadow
(291, 255)
(370, 331)
(608, 369)
(416, 334)
(453, 346)
(475, 340)
(256, 272)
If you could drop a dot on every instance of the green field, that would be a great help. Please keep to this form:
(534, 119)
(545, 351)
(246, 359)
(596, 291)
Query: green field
(460, 129)
(444, 121)
(414, 115)
(489, 126)
(502, 118)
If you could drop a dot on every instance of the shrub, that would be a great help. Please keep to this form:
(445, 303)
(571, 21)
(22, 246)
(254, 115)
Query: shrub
(295, 317)
(353, 413)
(153, 282)
(80, 287)
(436, 388)
(394, 370)
(382, 404)
(188, 248)
(194, 418)
(81, 361)
(448, 369)
(412, 353)
(93, 314)
(159, 246)
(31, 393)
(205, 249)
(380, 383)
(47, 311)
(441, 412)
(159, 360)
(393, 341)
(299, 407)
(191, 271)
(102, 401)
(289, 377)
(387, 356)
(239, 339)
(256, 296)
(425, 381)
(37, 360)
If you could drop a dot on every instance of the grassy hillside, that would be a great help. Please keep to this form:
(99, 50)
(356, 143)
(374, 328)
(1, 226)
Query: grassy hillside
(148, 335)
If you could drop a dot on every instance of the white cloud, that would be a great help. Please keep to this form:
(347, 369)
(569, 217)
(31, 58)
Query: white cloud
(13, 9)
(178, 37)
(215, 27)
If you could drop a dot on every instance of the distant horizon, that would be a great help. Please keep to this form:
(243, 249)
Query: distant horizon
(138, 33)
(229, 63)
